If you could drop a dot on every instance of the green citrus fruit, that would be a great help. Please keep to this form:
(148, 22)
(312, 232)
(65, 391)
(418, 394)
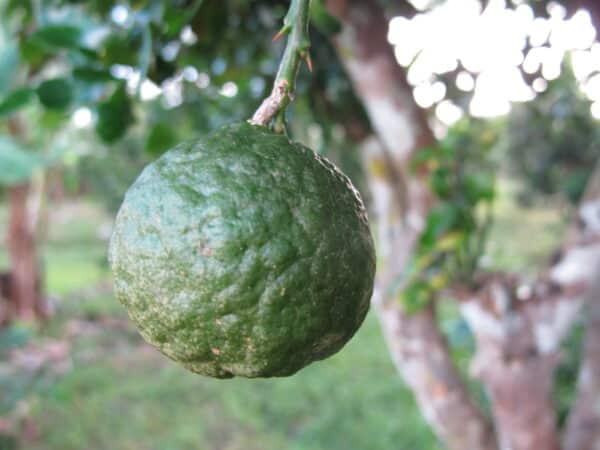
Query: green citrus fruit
(243, 254)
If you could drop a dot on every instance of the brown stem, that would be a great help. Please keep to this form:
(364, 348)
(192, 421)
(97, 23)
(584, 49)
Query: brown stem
(271, 105)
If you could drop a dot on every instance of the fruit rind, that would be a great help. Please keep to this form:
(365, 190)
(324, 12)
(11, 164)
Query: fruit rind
(243, 254)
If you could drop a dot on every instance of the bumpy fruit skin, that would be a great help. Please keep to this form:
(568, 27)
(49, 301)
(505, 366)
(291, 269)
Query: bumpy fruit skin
(243, 254)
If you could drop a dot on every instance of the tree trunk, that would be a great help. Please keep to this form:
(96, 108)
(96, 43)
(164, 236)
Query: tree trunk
(25, 293)
(401, 204)
(25, 300)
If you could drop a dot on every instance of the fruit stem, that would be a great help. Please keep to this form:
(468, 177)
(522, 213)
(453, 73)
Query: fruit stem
(295, 24)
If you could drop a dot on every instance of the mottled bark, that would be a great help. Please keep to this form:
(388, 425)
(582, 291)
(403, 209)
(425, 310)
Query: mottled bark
(509, 361)
(582, 431)
(381, 85)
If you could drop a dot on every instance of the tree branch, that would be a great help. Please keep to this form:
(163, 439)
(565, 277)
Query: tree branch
(296, 24)
(515, 366)
(519, 328)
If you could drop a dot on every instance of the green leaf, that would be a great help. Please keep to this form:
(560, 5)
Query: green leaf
(16, 163)
(479, 186)
(322, 20)
(121, 49)
(174, 19)
(15, 100)
(440, 220)
(416, 296)
(441, 182)
(33, 54)
(9, 64)
(115, 115)
(52, 119)
(92, 75)
(56, 93)
(161, 138)
(58, 36)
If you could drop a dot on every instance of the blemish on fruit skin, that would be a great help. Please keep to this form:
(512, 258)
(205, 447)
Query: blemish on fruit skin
(206, 251)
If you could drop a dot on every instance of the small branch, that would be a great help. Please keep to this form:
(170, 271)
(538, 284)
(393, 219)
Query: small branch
(514, 361)
(518, 329)
(296, 24)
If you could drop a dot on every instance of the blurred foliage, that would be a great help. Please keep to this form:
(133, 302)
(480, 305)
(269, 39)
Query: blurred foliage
(461, 173)
(17, 163)
(553, 142)
(564, 388)
(75, 54)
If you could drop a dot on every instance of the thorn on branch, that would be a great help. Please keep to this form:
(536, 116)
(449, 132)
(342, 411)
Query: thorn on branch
(309, 62)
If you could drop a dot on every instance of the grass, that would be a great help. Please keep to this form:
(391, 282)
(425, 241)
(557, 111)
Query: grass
(138, 400)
